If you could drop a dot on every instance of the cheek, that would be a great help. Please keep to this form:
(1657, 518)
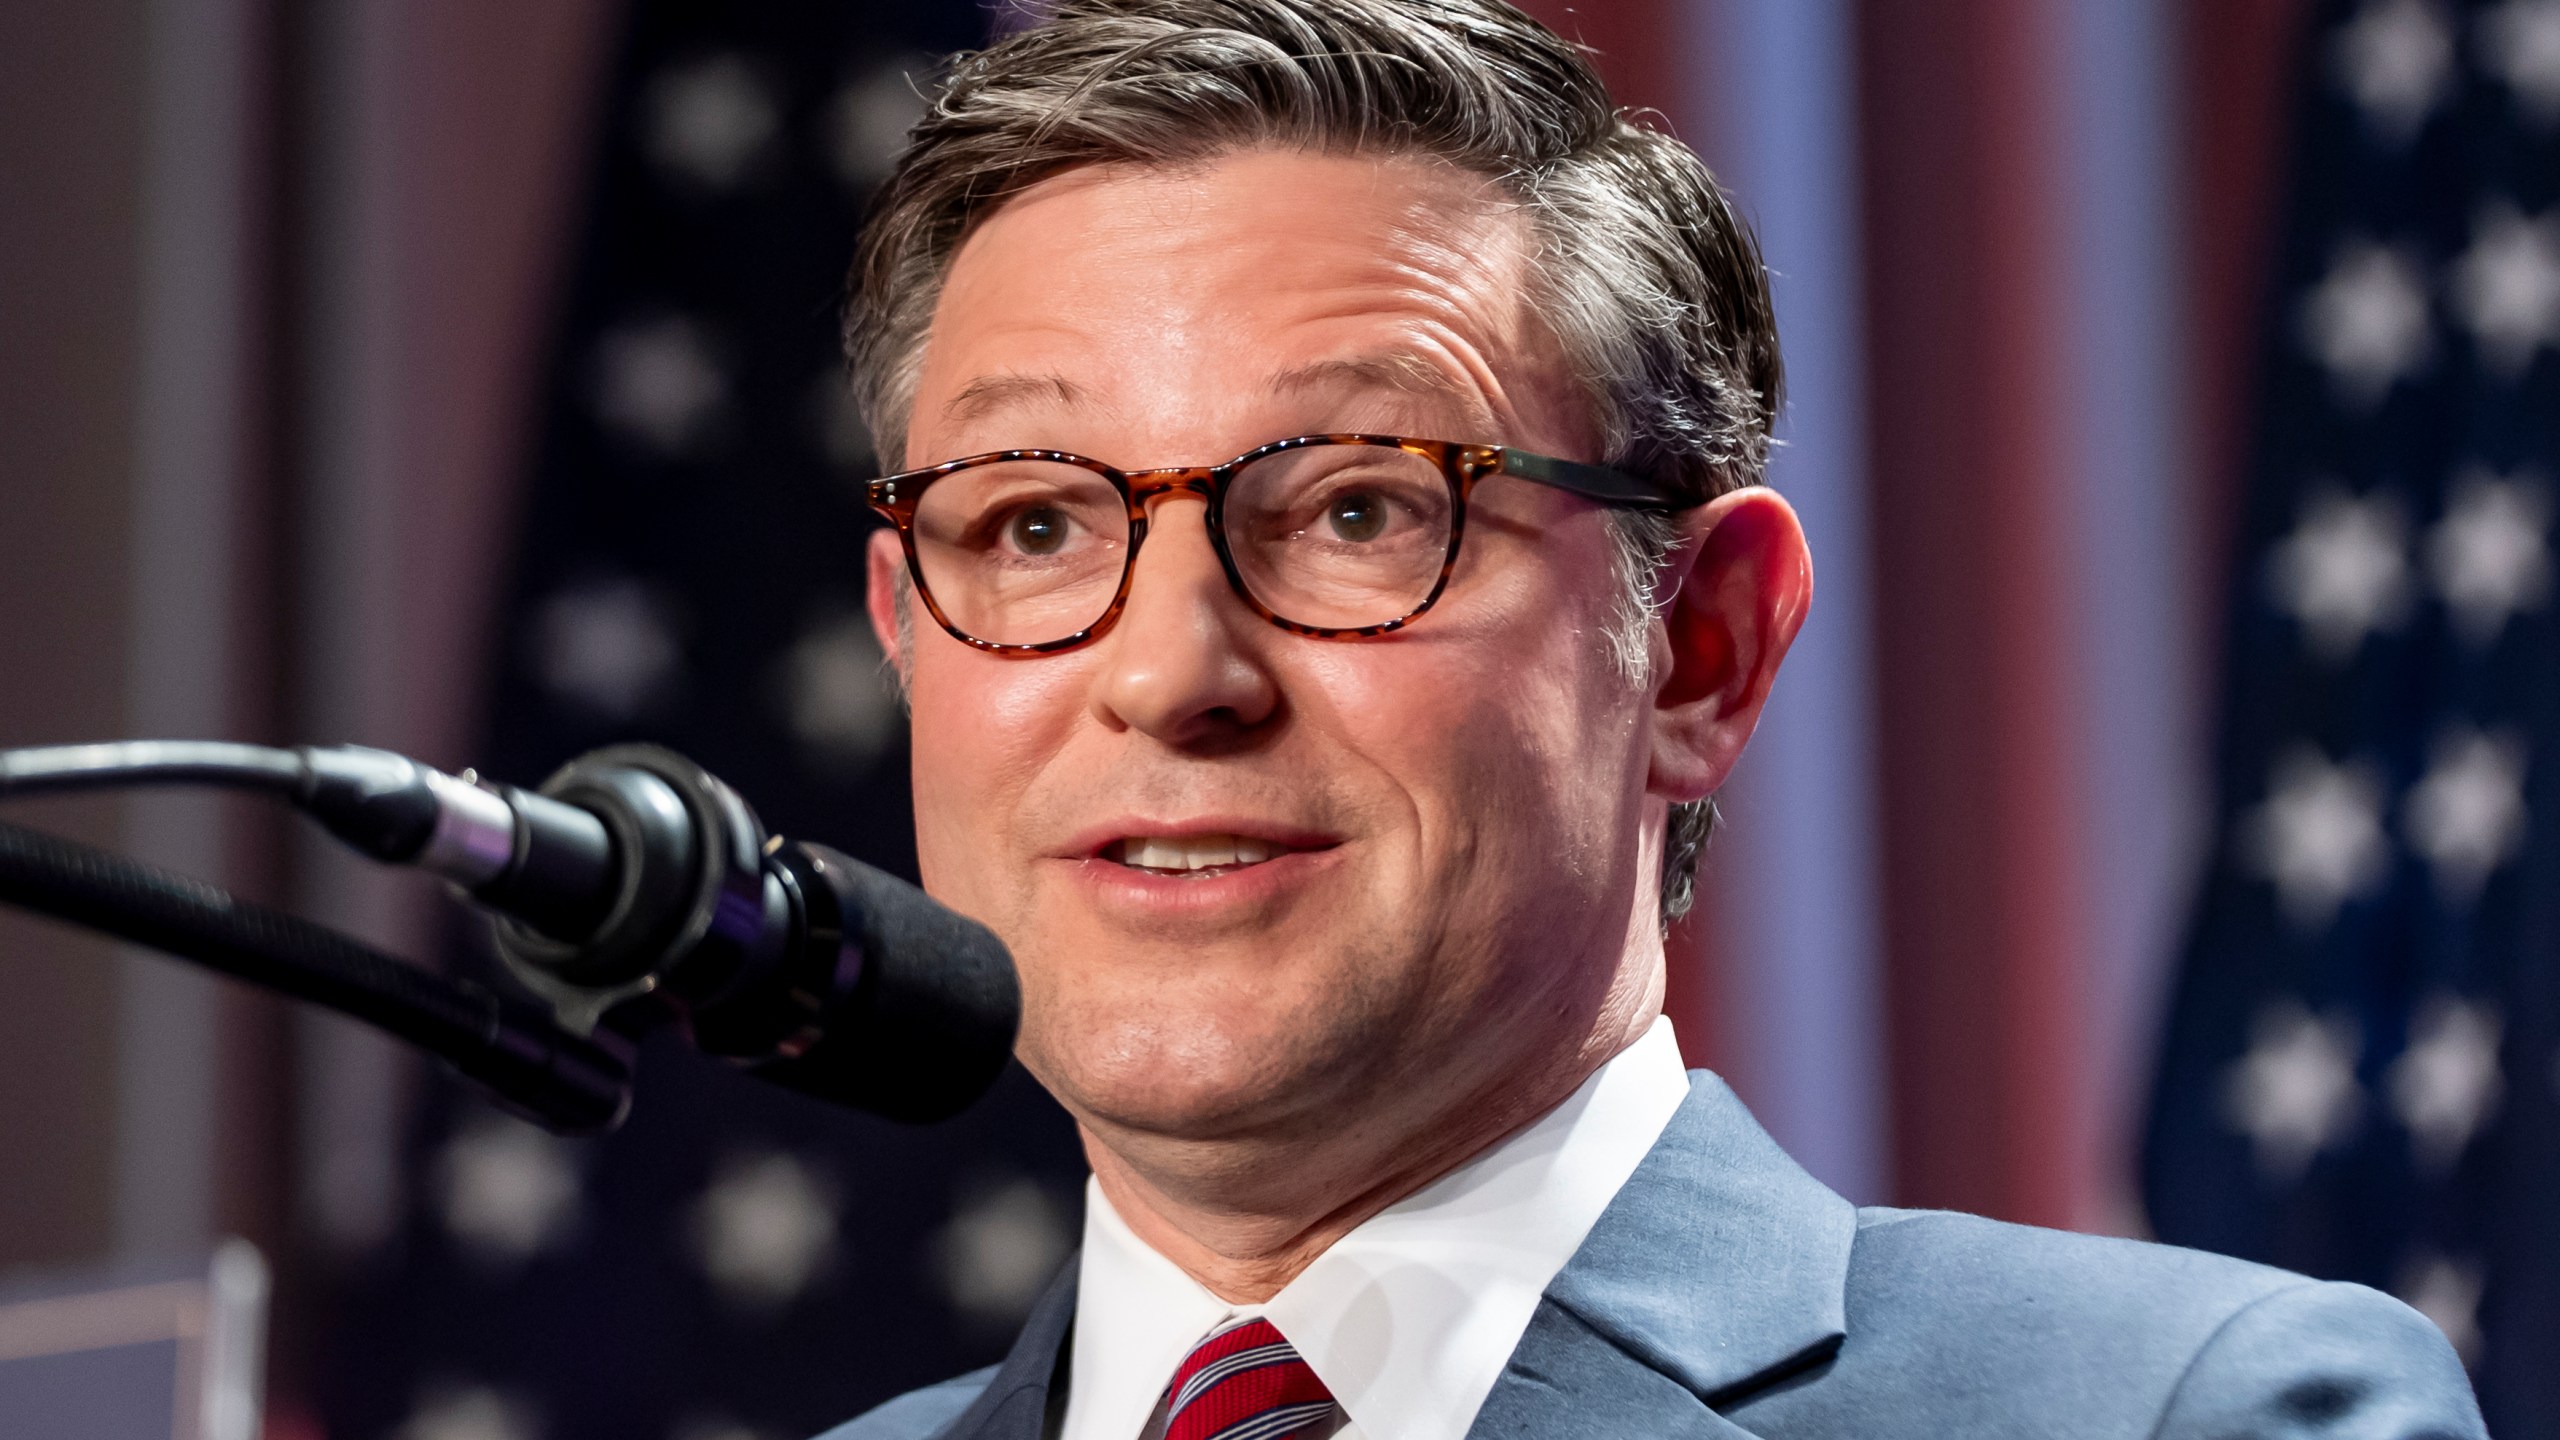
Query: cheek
(1554, 724)
(982, 728)
(1505, 728)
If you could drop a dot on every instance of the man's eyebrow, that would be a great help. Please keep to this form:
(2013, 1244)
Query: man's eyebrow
(1406, 374)
(990, 393)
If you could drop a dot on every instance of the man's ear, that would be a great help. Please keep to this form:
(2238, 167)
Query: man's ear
(888, 572)
(1743, 579)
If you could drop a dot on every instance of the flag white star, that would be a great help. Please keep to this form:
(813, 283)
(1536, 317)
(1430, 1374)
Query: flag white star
(2395, 60)
(656, 383)
(2318, 836)
(1001, 1247)
(765, 1229)
(2467, 814)
(506, 1190)
(2506, 286)
(871, 117)
(2519, 42)
(2366, 322)
(469, 1412)
(609, 645)
(838, 696)
(2490, 555)
(2445, 1085)
(2294, 1094)
(708, 123)
(2446, 1291)
(2343, 572)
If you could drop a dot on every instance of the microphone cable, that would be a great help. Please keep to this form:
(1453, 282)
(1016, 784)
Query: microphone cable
(567, 1084)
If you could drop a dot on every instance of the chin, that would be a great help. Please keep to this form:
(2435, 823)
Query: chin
(1211, 1063)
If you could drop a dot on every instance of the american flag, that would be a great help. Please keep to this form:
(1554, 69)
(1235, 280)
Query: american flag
(739, 1263)
(2362, 1071)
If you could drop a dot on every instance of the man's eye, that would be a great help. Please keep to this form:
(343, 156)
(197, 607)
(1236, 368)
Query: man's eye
(1357, 516)
(1040, 530)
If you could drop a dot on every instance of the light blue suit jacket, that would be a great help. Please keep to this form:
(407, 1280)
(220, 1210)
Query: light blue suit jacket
(1726, 1293)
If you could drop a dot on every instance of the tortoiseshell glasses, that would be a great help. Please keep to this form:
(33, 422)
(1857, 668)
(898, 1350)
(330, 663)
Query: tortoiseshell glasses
(1029, 552)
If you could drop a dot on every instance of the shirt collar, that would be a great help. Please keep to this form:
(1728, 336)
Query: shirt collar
(1410, 1318)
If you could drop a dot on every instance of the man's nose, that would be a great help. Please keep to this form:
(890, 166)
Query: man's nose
(1183, 664)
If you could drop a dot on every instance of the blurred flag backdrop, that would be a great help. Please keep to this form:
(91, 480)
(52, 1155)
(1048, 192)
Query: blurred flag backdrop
(2362, 1073)
(739, 1263)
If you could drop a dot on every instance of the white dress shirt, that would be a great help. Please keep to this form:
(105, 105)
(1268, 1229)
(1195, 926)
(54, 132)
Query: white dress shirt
(1410, 1318)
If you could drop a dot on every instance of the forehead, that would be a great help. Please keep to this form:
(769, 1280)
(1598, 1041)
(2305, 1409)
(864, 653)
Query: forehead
(1231, 283)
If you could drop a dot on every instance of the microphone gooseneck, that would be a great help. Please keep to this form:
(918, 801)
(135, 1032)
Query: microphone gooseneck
(522, 853)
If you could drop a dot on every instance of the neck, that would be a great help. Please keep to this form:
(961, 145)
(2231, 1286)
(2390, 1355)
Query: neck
(1246, 1216)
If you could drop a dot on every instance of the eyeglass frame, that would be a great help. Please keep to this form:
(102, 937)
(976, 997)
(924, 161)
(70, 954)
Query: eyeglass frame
(1461, 464)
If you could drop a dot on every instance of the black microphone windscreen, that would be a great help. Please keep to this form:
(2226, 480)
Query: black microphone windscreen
(931, 1022)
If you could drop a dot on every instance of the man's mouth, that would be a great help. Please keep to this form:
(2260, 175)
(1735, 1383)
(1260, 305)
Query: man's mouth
(1191, 854)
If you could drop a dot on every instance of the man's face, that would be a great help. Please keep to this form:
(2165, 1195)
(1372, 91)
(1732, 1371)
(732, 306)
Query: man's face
(1453, 816)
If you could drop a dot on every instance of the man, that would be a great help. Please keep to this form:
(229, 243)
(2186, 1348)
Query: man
(1330, 580)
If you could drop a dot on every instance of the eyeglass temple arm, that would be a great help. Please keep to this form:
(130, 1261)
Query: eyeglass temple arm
(1592, 482)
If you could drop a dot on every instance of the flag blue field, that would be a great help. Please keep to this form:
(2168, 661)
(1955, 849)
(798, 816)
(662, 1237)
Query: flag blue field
(2362, 1071)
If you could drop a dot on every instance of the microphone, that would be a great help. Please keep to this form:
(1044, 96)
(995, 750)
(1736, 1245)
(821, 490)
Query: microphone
(633, 890)
(804, 965)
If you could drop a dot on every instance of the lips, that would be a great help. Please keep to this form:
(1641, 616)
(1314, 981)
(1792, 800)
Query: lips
(1180, 854)
(1196, 847)
(1210, 870)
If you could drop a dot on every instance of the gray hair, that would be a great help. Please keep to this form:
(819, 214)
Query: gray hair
(1651, 283)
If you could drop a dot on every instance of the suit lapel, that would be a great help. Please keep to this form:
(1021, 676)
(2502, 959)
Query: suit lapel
(1721, 1267)
(1015, 1404)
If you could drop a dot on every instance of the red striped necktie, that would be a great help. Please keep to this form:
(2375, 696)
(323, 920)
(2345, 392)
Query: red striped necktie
(1244, 1383)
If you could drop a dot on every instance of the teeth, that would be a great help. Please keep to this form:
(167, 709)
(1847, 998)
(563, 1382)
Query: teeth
(1195, 852)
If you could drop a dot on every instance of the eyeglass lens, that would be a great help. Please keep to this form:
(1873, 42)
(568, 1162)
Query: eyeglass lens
(1333, 536)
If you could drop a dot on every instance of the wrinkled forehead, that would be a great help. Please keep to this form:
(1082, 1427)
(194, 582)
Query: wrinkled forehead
(1207, 292)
